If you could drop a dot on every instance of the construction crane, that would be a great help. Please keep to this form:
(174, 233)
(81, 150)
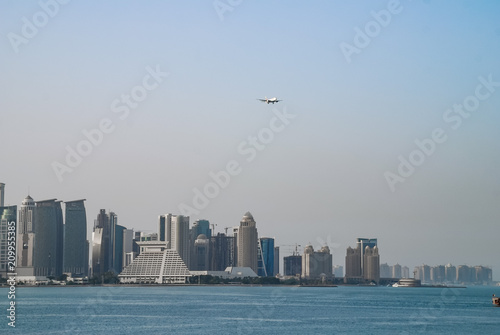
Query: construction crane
(296, 246)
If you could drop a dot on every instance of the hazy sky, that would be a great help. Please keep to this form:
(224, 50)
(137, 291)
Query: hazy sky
(388, 128)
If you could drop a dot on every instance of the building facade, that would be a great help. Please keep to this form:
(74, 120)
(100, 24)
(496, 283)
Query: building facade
(8, 224)
(247, 243)
(75, 259)
(317, 264)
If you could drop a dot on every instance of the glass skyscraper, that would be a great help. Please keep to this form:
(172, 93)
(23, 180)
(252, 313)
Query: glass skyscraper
(75, 238)
(266, 257)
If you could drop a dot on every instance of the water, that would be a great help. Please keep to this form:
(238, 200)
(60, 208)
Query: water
(251, 310)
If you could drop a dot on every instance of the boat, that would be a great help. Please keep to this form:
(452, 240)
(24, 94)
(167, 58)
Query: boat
(495, 300)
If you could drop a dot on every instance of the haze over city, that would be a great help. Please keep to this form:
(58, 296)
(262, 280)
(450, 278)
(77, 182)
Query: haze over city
(388, 126)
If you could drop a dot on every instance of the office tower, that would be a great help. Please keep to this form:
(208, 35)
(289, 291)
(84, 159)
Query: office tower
(2, 194)
(483, 275)
(118, 249)
(103, 238)
(128, 244)
(405, 272)
(464, 274)
(385, 271)
(247, 243)
(396, 271)
(438, 274)
(200, 257)
(75, 238)
(355, 261)
(292, 265)
(201, 227)
(317, 264)
(338, 271)
(450, 273)
(26, 237)
(8, 223)
(265, 261)
(48, 244)
(371, 264)
(174, 230)
(353, 265)
(222, 252)
(276, 269)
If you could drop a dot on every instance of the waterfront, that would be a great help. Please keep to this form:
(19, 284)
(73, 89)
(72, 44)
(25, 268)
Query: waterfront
(252, 310)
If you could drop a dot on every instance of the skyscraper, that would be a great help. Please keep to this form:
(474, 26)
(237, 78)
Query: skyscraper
(356, 263)
(48, 246)
(2, 194)
(266, 257)
(26, 237)
(103, 241)
(222, 252)
(316, 264)
(247, 243)
(75, 238)
(292, 265)
(174, 229)
(8, 223)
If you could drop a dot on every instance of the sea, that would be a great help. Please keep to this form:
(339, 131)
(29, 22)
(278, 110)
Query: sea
(250, 310)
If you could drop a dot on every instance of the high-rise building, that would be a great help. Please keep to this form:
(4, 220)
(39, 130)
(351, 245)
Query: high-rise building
(371, 264)
(355, 261)
(385, 271)
(338, 271)
(8, 223)
(276, 269)
(75, 238)
(247, 243)
(450, 273)
(222, 252)
(265, 261)
(317, 264)
(48, 246)
(200, 257)
(2, 194)
(103, 240)
(26, 237)
(396, 271)
(118, 249)
(292, 265)
(353, 264)
(128, 245)
(174, 229)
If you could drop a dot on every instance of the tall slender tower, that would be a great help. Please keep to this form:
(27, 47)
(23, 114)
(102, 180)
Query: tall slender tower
(174, 229)
(2, 194)
(75, 238)
(247, 243)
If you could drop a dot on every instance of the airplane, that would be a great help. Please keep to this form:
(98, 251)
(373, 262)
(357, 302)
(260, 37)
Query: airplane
(270, 100)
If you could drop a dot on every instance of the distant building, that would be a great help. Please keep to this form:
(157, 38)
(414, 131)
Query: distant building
(200, 257)
(75, 260)
(450, 273)
(292, 265)
(276, 269)
(405, 272)
(2, 194)
(103, 243)
(317, 264)
(265, 261)
(385, 271)
(222, 252)
(26, 237)
(396, 272)
(247, 243)
(363, 262)
(371, 264)
(174, 229)
(118, 248)
(156, 263)
(338, 271)
(128, 244)
(8, 223)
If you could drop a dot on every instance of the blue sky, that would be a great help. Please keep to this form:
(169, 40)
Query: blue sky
(318, 180)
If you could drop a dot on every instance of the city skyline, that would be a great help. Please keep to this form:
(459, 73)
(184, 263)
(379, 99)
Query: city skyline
(172, 223)
(388, 123)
